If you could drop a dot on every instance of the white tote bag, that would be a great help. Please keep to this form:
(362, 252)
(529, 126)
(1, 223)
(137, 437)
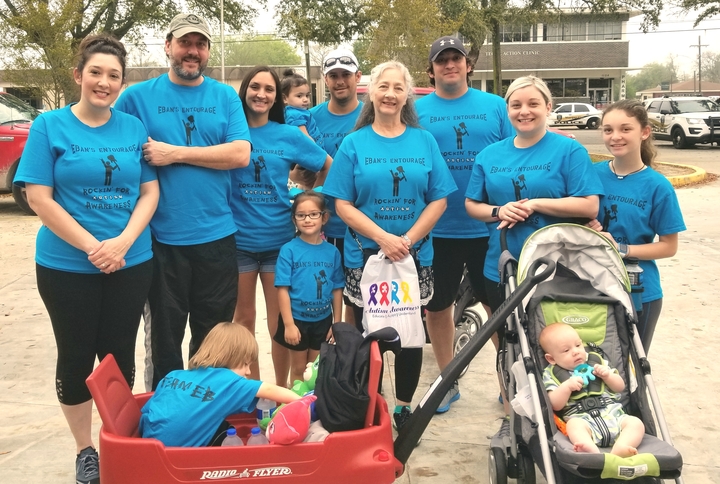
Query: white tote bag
(391, 297)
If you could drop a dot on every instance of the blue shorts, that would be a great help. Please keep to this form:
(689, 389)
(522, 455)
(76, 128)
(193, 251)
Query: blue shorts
(256, 261)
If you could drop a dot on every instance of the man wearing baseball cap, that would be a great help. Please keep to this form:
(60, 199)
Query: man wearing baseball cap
(197, 133)
(463, 121)
(336, 118)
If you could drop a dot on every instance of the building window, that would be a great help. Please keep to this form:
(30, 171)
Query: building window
(489, 85)
(575, 87)
(556, 87)
(565, 31)
(516, 33)
(598, 83)
(605, 30)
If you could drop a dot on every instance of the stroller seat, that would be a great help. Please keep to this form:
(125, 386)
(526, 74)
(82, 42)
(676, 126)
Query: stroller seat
(655, 457)
(589, 291)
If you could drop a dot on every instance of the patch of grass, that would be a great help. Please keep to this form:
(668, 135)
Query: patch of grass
(595, 157)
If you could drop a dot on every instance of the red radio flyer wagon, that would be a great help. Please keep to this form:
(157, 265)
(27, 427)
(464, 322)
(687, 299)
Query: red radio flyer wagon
(360, 456)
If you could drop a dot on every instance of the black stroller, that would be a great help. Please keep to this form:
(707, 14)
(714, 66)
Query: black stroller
(589, 289)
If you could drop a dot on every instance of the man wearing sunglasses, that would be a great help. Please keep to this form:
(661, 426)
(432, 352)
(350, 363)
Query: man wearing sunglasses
(336, 118)
(463, 121)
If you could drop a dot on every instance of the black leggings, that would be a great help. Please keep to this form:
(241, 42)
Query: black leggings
(408, 364)
(647, 321)
(93, 315)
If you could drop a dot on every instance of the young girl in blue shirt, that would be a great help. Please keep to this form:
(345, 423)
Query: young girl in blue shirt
(639, 204)
(310, 280)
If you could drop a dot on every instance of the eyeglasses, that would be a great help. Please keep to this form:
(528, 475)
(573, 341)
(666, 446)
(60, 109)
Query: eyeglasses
(313, 216)
(345, 60)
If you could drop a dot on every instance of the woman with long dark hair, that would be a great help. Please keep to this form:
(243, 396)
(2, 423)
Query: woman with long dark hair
(87, 180)
(261, 202)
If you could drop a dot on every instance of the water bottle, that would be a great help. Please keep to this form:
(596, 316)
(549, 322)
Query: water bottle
(232, 439)
(264, 409)
(632, 265)
(257, 437)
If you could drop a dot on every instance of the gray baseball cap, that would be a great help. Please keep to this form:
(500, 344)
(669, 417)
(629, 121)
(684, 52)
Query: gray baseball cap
(444, 43)
(186, 23)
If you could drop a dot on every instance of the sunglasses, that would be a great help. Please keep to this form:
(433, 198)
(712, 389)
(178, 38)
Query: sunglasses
(344, 60)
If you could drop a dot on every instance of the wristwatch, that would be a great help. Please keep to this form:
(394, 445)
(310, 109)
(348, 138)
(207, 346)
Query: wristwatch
(495, 212)
(623, 250)
(406, 239)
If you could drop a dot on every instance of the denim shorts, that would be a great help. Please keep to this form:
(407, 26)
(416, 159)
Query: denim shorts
(256, 261)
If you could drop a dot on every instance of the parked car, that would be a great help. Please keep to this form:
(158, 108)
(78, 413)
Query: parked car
(575, 114)
(16, 116)
(419, 91)
(685, 121)
(561, 132)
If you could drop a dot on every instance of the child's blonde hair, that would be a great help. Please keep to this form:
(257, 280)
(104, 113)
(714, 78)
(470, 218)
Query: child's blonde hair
(227, 345)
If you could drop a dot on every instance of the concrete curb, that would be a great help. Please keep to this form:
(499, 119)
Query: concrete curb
(677, 181)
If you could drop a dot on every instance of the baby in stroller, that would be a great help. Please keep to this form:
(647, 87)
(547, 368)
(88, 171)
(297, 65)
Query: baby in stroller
(574, 396)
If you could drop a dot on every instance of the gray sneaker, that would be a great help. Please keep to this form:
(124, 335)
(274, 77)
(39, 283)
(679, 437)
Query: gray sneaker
(87, 467)
(452, 395)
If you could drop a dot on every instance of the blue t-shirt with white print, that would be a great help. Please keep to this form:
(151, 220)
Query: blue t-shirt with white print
(95, 174)
(188, 406)
(554, 167)
(194, 206)
(260, 197)
(391, 180)
(302, 117)
(334, 128)
(311, 272)
(634, 210)
(463, 127)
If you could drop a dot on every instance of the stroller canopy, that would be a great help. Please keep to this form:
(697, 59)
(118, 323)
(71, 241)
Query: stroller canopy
(585, 252)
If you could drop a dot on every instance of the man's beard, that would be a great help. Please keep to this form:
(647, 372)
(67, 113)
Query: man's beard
(182, 73)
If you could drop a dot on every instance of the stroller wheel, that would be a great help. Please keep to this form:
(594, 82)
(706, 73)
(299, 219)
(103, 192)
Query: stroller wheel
(497, 466)
(461, 339)
(526, 468)
(464, 330)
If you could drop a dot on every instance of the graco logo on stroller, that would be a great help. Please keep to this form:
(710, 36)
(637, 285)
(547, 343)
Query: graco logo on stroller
(575, 320)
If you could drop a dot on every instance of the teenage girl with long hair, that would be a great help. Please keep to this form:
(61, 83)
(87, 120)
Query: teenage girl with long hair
(641, 203)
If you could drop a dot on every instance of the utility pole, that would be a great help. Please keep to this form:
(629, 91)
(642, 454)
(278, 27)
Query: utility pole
(222, 41)
(699, 46)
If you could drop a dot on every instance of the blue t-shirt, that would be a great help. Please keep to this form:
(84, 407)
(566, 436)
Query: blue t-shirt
(391, 180)
(188, 406)
(260, 198)
(463, 127)
(334, 128)
(634, 210)
(311, 272)
(95, 174)
(194, 206)
(302, 117)
(554, 167)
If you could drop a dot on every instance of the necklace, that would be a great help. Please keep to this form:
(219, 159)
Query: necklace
(620, 177)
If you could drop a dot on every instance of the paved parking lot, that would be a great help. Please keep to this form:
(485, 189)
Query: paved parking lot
(36, 447)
